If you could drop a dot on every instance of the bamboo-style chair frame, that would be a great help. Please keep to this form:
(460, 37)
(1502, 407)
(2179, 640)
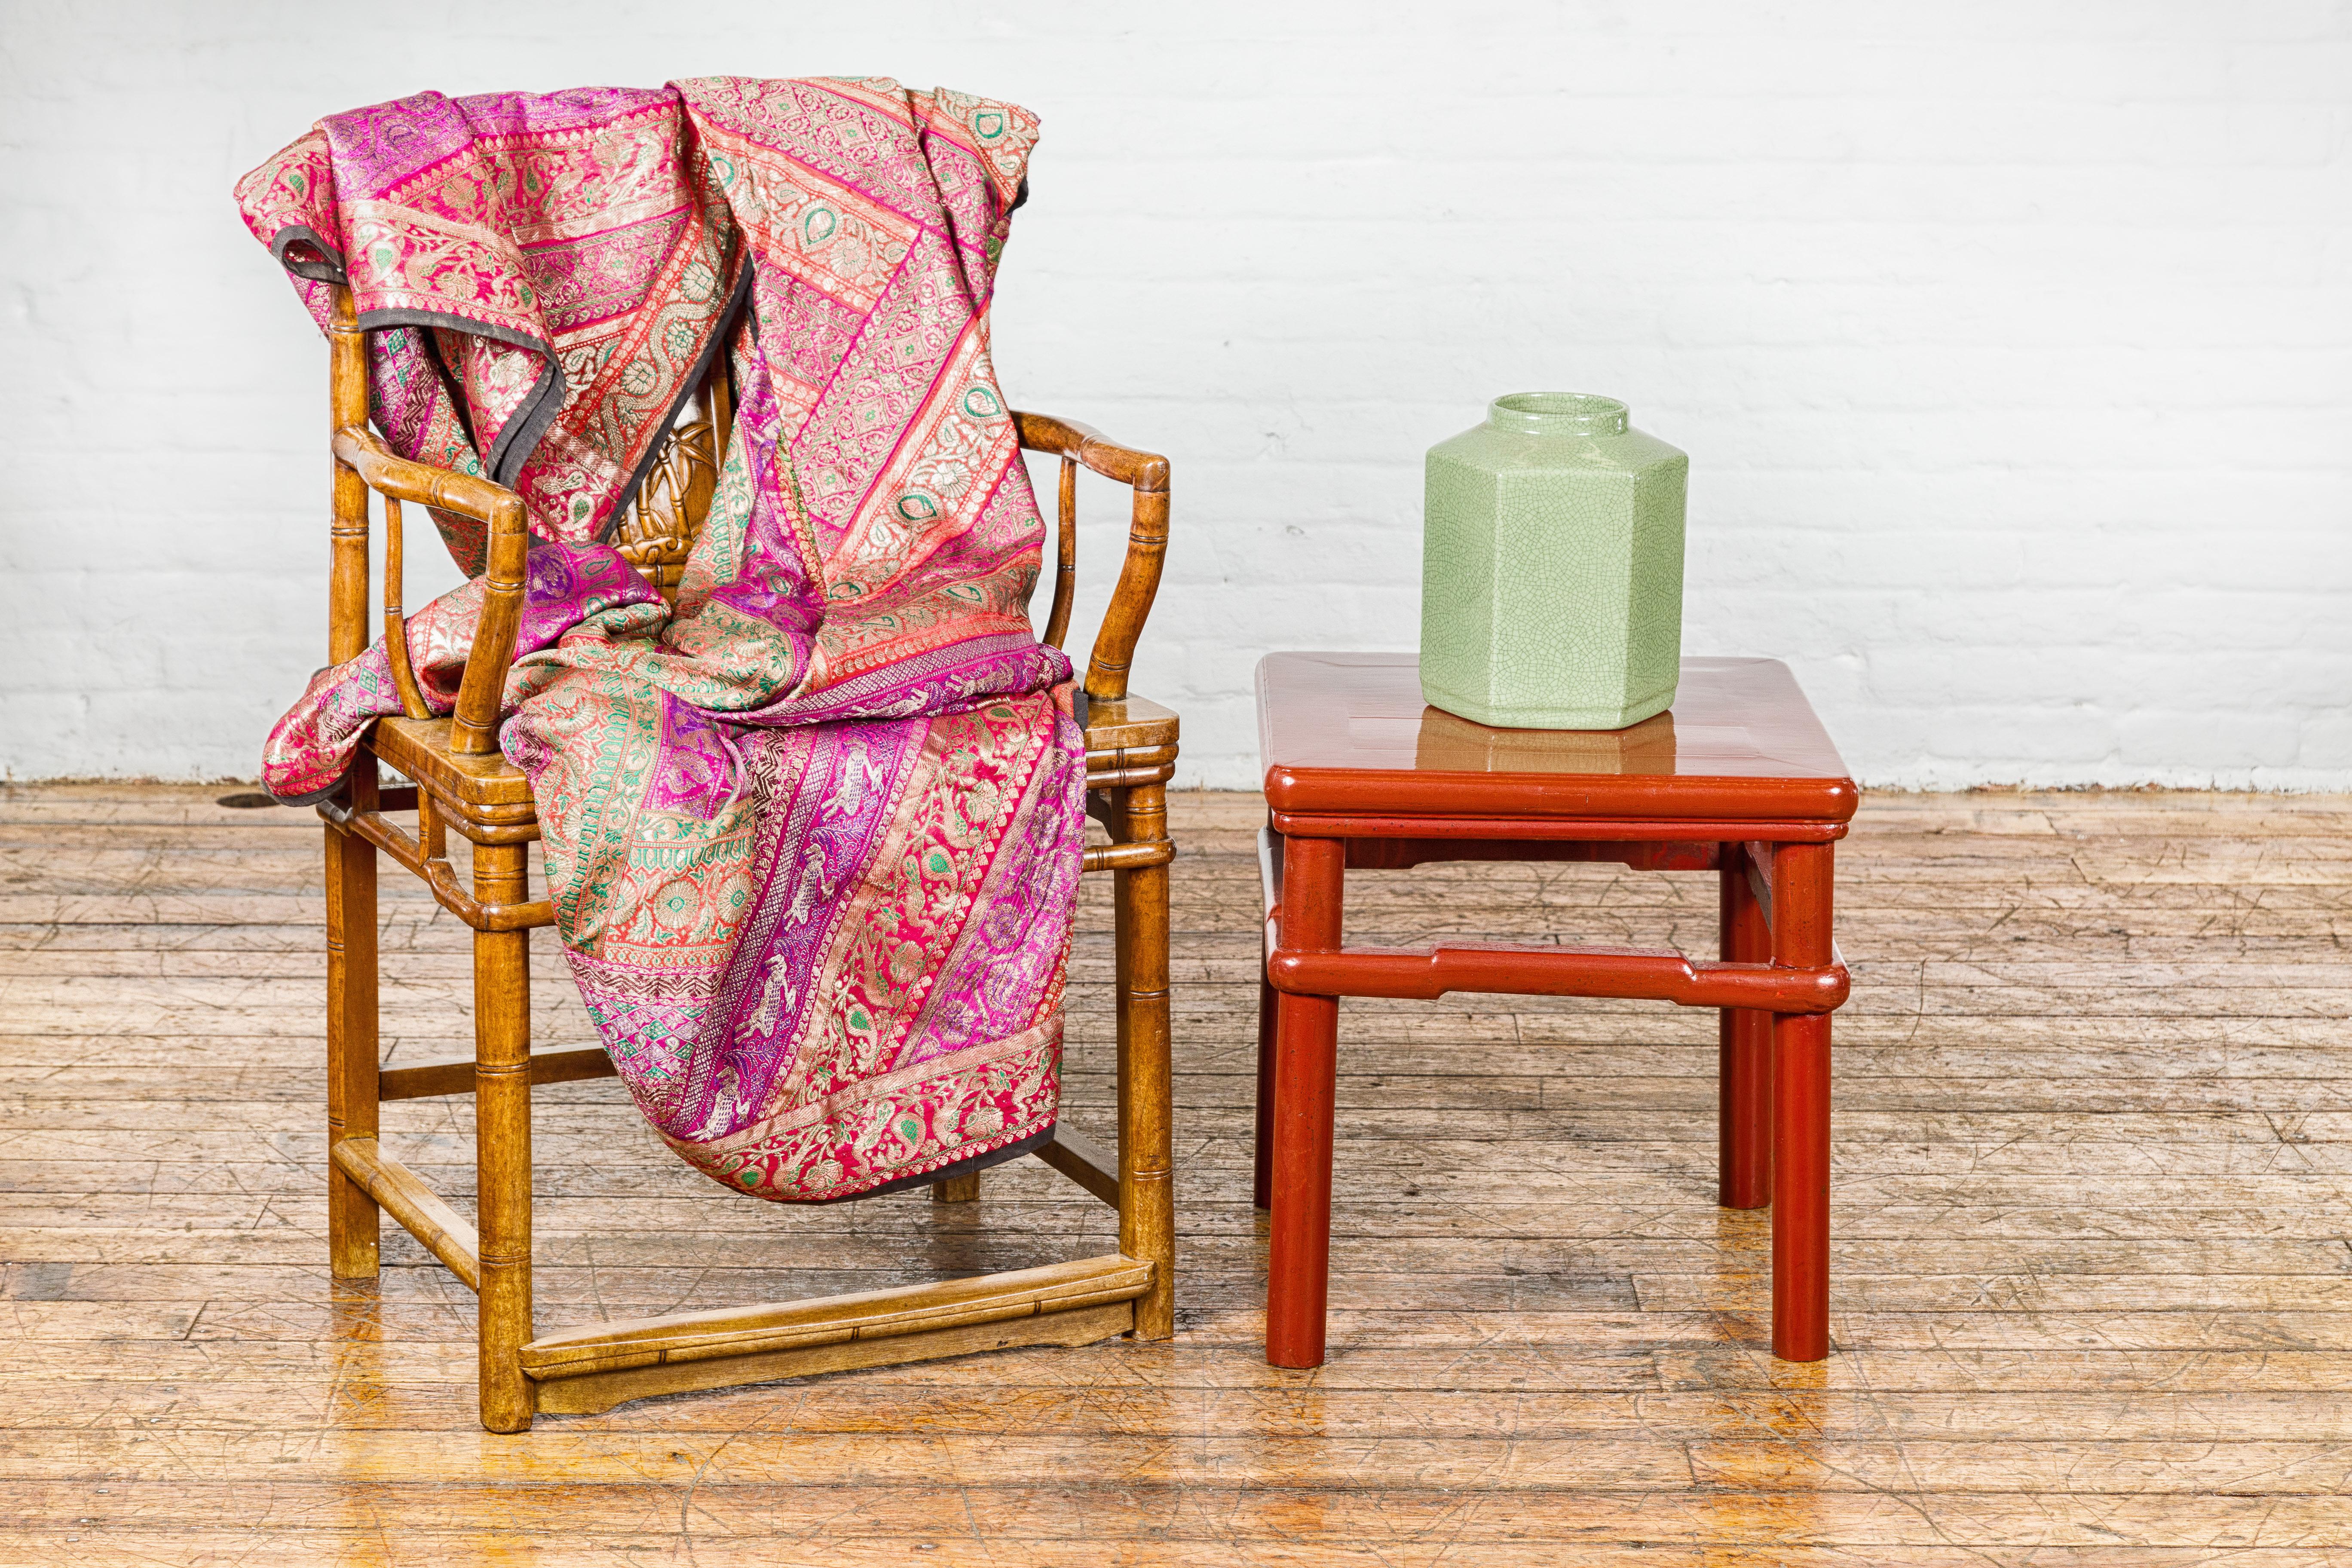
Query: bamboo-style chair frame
(462, 784)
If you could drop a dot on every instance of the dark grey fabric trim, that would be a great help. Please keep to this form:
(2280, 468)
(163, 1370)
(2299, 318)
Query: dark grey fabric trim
(960, 1168)
(314, 797)
(540, 406)
(519, 438)
(332, 272)
(717, 344)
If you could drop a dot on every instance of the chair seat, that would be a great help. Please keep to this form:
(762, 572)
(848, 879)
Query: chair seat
(1133, 732)
(420, 748)
(1130, 725)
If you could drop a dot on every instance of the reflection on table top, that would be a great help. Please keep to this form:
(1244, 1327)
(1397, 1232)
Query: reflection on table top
(1349, 731)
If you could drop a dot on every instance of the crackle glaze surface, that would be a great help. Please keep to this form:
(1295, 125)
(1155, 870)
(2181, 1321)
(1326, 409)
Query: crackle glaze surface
(1552, 576)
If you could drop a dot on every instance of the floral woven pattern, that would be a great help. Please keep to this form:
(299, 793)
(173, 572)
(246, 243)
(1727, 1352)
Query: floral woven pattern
(813, 837)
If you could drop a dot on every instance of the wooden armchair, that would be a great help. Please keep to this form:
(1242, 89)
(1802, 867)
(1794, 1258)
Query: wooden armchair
(463, 784)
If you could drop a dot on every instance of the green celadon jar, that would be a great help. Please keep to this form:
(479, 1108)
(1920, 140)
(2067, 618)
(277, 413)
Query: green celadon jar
(1552, 567)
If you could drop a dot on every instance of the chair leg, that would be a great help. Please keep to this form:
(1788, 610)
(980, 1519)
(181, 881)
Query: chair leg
(1122, 949)
(1801, 882)
(1307, 1044)
(963, 1189)
(502, 1141)
(352, 1217)
(1744, 1053)
(1146, 1199)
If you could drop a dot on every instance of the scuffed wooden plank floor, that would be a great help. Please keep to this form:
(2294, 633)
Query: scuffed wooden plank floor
(2094, 1240)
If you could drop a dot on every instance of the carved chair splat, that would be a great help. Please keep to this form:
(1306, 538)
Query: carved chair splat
(462, 784)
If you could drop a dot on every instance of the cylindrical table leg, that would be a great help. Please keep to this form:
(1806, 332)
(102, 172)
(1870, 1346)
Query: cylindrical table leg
(1306, 1069)
(1801, 1197)
(502, 1143)
(1744, 1052)
(1261, 1144)
(1802, 878)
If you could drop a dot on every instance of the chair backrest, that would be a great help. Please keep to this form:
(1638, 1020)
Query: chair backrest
(667, 515)
(658, 529)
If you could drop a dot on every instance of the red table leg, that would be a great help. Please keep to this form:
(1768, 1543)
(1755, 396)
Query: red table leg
(1307, 1042)
(1744, 1053)
(1262, 1146)
(1801, 882)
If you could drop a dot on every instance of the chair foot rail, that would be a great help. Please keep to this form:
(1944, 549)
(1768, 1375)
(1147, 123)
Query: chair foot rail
(457, 1077)
(405, 848)
(1425, 974)
(834, 1320)
(591, 1393)
(420, 1210)
(1083, 1161)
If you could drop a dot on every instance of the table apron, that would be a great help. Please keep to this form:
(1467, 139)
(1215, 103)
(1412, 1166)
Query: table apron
(1642, 855)
(1522, 969)
(1654, 830)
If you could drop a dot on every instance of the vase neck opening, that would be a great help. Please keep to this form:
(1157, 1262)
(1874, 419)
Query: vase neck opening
(1557, 414)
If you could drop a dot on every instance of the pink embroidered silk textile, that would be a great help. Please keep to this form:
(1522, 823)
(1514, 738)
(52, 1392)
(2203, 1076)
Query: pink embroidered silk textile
(812, 837)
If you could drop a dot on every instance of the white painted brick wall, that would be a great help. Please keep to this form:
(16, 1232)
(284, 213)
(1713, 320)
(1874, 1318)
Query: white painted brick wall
(2010, 341)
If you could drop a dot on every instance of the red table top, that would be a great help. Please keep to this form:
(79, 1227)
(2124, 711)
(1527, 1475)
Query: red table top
(1349, 733)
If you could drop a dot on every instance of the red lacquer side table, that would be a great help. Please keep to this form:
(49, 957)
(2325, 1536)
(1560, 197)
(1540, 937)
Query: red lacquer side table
(1738, 778)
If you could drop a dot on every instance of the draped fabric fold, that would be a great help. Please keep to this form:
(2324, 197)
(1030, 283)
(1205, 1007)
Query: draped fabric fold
(813, 836)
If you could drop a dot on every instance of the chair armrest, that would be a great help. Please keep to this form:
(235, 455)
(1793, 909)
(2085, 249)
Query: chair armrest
(1068, 438)
(406, 479)
(474, 730)
(1147, 541)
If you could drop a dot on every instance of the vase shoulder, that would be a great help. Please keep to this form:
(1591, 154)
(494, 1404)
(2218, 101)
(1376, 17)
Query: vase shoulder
(1485, 447)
